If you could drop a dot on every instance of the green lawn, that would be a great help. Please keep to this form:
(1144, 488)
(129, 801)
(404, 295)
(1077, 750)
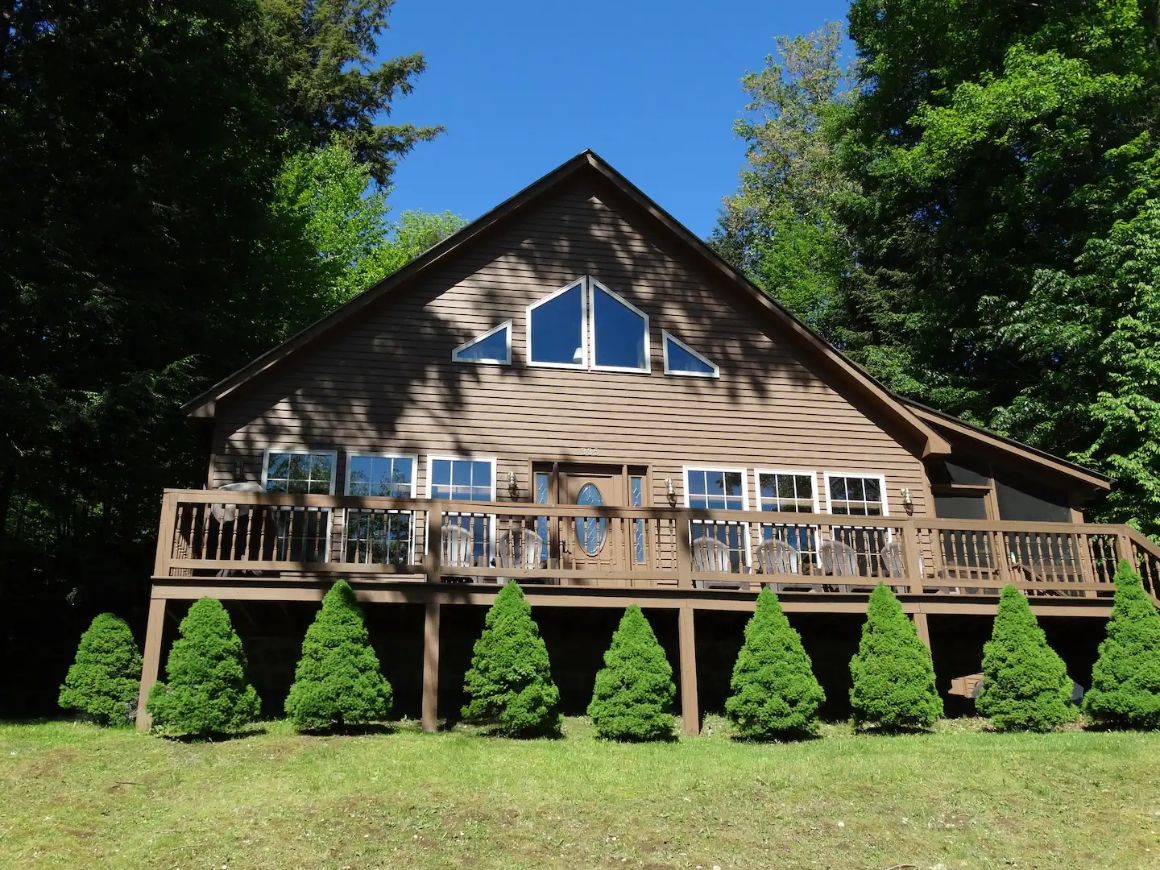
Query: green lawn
(75, 795)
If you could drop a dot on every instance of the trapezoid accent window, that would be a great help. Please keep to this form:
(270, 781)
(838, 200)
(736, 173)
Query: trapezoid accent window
(494, 346)
(680, 359)
(587, 326)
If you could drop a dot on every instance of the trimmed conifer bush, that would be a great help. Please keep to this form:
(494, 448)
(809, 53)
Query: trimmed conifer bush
(634, 690)
(892, 671)
(510, 681)
(775, 693)
(338, 681)
(207, 692)
(1025, 683)
(1125, 688)
(105, 678)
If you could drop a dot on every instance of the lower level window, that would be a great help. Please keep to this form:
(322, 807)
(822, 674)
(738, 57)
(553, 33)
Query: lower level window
(717, 489)
(300, 534)
(859, 495)
(373, 536)
(789, 492)
(454, 478)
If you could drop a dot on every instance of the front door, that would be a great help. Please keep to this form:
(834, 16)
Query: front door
(593, 541)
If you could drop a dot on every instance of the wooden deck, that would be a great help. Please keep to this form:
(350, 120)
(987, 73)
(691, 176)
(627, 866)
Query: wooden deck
(263, 537)
(262, 547)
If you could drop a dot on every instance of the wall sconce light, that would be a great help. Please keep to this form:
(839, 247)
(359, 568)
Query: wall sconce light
(670, 492)
(907, 500)
(513, 487)
(238, 474)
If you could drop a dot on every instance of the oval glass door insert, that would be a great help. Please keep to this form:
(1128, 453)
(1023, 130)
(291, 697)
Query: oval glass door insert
(591, 531)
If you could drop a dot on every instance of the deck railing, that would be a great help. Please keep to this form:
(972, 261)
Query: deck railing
(206, 533)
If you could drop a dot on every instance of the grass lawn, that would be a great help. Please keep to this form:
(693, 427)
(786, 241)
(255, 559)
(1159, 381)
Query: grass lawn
(76, 795)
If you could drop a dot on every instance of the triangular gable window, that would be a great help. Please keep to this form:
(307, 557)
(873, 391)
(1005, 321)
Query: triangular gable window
(680, 359)
(494, 346)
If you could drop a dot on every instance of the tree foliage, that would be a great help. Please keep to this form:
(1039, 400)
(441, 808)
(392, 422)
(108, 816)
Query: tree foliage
(510, 681)
(634, 691)
(206, 691)
(173, 205)
(774, 691)
(338, 681)
(105, 678)
(1025, 683)
(893, 676)
(781, 227)
(1125, 688)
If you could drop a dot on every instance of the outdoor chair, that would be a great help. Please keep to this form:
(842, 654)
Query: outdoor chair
(456, 550)
(712, 556)
(241, 518)
(839, 560)
(892, 562)
(518, 549)
(778, 557)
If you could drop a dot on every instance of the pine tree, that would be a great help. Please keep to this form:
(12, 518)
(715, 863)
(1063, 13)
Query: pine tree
(338, 681)
(1025, 683)
(775, 692)
(1125, 688)
(634, 690)
(892, 670)
(104, 680)
(510, 680)
(207, 692)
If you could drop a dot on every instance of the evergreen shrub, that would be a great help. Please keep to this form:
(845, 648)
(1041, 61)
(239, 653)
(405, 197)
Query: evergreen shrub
(893, 676)
(774, 691)
(104, 680)
(338, 681)
(634, 691)
(510, 681)
(1125, 688)
(207, 692)
(1025, 683)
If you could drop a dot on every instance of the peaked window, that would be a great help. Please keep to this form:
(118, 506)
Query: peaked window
(494, 346)
(619, 332)
(587, 326)
(680, 359)
(556, 333)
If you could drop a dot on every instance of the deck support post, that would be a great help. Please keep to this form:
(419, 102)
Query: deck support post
(151, 663)
(690, 712)
(430, 715)
(923, 628)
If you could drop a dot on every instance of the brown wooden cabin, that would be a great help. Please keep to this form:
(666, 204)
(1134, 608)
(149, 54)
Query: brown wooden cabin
(574, 392)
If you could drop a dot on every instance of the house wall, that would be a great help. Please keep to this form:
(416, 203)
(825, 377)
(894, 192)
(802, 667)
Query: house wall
(386, 383)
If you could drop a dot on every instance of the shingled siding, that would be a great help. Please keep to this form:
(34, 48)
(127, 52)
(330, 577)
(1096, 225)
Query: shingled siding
(386, 383)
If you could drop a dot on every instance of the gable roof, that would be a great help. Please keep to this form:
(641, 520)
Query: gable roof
(1010, 447)
(927, 439)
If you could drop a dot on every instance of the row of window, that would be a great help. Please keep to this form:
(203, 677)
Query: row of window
(586, 326)
(468, 479)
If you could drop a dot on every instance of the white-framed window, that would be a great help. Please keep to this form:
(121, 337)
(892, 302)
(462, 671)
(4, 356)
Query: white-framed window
(859, 494)
(466, 478)
(585, 325)
(375, 536)
(300, 534)
(711, 487)
(789, 491)
(680, 359)
(494, 346)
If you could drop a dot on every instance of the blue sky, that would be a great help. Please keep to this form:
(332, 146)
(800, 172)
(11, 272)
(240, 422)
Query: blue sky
(521, 86)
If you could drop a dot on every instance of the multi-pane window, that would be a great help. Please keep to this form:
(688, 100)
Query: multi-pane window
(859, 495)
(789, 492)
(300, 534)
(464, 479)
(718, 489)
(374, 536)
(586, 325)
